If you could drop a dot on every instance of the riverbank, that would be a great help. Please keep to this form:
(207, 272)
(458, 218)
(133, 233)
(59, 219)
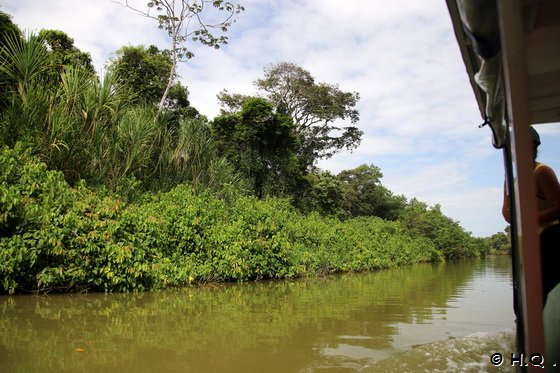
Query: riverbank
(56, 237)
(60, 238)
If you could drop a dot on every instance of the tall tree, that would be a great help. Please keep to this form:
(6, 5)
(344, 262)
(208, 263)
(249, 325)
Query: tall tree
(314, 107)
(231, 103)
(322, 192)
(63, 52)
(185, 20)
(261, 143)
(8, 30)
(364, 195)
(144, 71)
(7, 27)
(445, 233)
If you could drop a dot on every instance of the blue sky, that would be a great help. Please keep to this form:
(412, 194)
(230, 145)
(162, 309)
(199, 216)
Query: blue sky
(417, 109)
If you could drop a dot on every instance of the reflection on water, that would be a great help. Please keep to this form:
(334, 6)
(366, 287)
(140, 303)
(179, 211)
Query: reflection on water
(343, 323)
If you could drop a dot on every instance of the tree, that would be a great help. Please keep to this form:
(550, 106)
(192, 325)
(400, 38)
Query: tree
(144, 71)
(23, 65)
(365, 196)
(185, 20)
(178, 104)
(500, 241)
(322, 192)
(231, 102)
(314, 108)
(445, 233)
(261, 143)
(8, 31)
(43, 56)
(63, 53)
(7, 27)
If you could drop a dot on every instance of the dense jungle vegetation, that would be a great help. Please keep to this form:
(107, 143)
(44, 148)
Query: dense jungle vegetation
(104, 189)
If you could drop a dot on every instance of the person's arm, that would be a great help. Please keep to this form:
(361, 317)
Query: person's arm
(548, 187)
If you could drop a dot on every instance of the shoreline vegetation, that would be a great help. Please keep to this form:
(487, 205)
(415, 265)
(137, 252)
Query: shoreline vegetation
(101, 191)
(61, 238)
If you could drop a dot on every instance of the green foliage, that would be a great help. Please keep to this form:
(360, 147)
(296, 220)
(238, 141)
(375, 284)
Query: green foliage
(313, 107)
(177, 104)
(184, 21)
(23, 62)
(8, 30)
(63, 53)
(500, 242)
(231, 103)
(88, 128)
(365, 196)
(322, 192)
(31, 199)
(166, 204)
(7, 27)
(189, 154)
(30, 67)
(261, 144)
(144, 70)
(351, 193)
(59, 238)
(446, 234)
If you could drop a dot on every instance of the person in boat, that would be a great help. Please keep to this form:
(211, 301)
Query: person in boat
(548, 204)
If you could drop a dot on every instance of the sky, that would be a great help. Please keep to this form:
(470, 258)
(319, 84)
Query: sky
(417, 109)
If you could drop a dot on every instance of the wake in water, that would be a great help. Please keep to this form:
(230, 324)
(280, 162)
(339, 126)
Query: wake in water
(467, 354)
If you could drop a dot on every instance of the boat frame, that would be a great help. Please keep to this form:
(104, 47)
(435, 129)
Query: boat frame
(527, 93)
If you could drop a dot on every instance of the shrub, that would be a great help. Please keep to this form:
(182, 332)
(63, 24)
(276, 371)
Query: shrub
(31, 199)
(55, 237)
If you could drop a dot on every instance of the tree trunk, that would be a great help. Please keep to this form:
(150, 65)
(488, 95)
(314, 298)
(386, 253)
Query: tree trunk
(171, 78)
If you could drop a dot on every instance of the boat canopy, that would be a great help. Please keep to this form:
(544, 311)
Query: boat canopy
(477, 28)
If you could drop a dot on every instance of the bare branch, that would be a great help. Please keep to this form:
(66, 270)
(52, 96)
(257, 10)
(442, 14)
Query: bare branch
(178, 22)
(143, 13)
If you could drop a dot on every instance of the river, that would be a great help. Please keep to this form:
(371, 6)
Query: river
(427, 317)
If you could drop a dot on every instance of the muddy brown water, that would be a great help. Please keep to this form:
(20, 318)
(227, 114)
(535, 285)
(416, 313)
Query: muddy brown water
(427, 317)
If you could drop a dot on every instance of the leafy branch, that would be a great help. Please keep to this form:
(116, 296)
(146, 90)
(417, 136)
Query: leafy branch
(185, 20)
